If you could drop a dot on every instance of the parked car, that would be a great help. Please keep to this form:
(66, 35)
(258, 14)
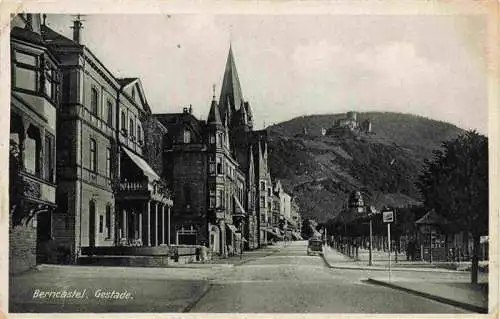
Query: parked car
(315, 247)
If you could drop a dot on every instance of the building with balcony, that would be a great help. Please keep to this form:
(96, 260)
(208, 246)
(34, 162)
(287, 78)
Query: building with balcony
(206, 180)
(35, 88)
(107, 194)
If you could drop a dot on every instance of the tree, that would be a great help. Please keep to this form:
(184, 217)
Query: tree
(455, 184)
(16, 183)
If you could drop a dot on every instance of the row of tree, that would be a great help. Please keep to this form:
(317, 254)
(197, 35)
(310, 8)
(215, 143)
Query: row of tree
(454, 183)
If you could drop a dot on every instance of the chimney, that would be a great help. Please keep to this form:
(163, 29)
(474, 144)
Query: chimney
(77, 26)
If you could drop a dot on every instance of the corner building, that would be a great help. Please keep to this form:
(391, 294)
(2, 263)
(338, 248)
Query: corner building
(35, 96)
(107, 194)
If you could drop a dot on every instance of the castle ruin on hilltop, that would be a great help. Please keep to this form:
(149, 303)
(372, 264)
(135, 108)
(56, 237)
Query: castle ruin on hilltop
(350, 124)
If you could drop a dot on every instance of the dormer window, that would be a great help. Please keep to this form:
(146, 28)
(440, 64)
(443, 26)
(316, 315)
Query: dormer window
(187, 136)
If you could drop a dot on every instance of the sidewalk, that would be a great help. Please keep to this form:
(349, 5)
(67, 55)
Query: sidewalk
(335, 259)
(237, 260)
(460, 294)
(444, 285)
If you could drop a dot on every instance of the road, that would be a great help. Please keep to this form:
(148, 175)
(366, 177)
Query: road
(288, 281)
(268, 280)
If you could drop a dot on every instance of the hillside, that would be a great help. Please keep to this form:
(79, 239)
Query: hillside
(322, 170)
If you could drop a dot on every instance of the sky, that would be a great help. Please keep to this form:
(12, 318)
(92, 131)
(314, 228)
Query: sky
(295, 65)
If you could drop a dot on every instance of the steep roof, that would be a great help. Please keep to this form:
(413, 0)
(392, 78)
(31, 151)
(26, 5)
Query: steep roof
(125, 81)
(214, 114)
(26, 35)
(431, 218)
(55, 38)
(230, 95)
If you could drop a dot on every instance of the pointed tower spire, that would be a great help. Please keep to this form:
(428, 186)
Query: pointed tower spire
(214, 114)
(260, 152)
(248, 110)
(231, 95)
(243, 115)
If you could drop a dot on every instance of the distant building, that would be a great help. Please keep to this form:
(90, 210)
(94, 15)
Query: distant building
(350, 124)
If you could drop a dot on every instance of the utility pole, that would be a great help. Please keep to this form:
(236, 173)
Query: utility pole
(370, 259)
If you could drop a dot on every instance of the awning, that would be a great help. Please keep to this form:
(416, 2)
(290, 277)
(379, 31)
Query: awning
(239, 207)
(143, 165)
(269, 231)
(232, 228)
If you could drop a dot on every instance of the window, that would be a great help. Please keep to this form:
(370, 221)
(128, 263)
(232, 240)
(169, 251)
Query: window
(269, 192)
(49, 79)
(94, 96)
(110, 114)
(211, 164)
(49, 158)
(32, 150)
(139, 133)
(220, 196)
(187, 195)
(262, 202)
(263, 186)
(131, 127)
(212, 198)
(187, 136)
(212, 139)
(219, 166)
(25, 71)
(93, 155)
(108, 162)
(133, 93)
(123, 122)
(101, 224)
(219, 140)
(108, 221)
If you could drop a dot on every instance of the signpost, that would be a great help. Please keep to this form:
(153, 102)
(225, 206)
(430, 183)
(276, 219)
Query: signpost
(388, 217)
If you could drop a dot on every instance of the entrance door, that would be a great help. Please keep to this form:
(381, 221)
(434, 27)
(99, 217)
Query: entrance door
(92, 224)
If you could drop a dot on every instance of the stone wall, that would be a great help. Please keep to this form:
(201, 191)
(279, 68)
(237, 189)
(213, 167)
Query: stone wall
(22, 246)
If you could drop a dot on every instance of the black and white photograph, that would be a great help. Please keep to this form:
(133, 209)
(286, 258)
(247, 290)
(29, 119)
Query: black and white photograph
(250, 160)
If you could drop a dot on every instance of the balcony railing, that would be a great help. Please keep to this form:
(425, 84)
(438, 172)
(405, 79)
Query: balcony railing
(133, 186)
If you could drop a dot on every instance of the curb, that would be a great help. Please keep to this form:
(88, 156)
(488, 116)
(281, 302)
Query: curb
(191, 305)
(444, 300)
(377, 268)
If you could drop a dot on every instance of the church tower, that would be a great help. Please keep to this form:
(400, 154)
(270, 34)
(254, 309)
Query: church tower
(231, 101)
